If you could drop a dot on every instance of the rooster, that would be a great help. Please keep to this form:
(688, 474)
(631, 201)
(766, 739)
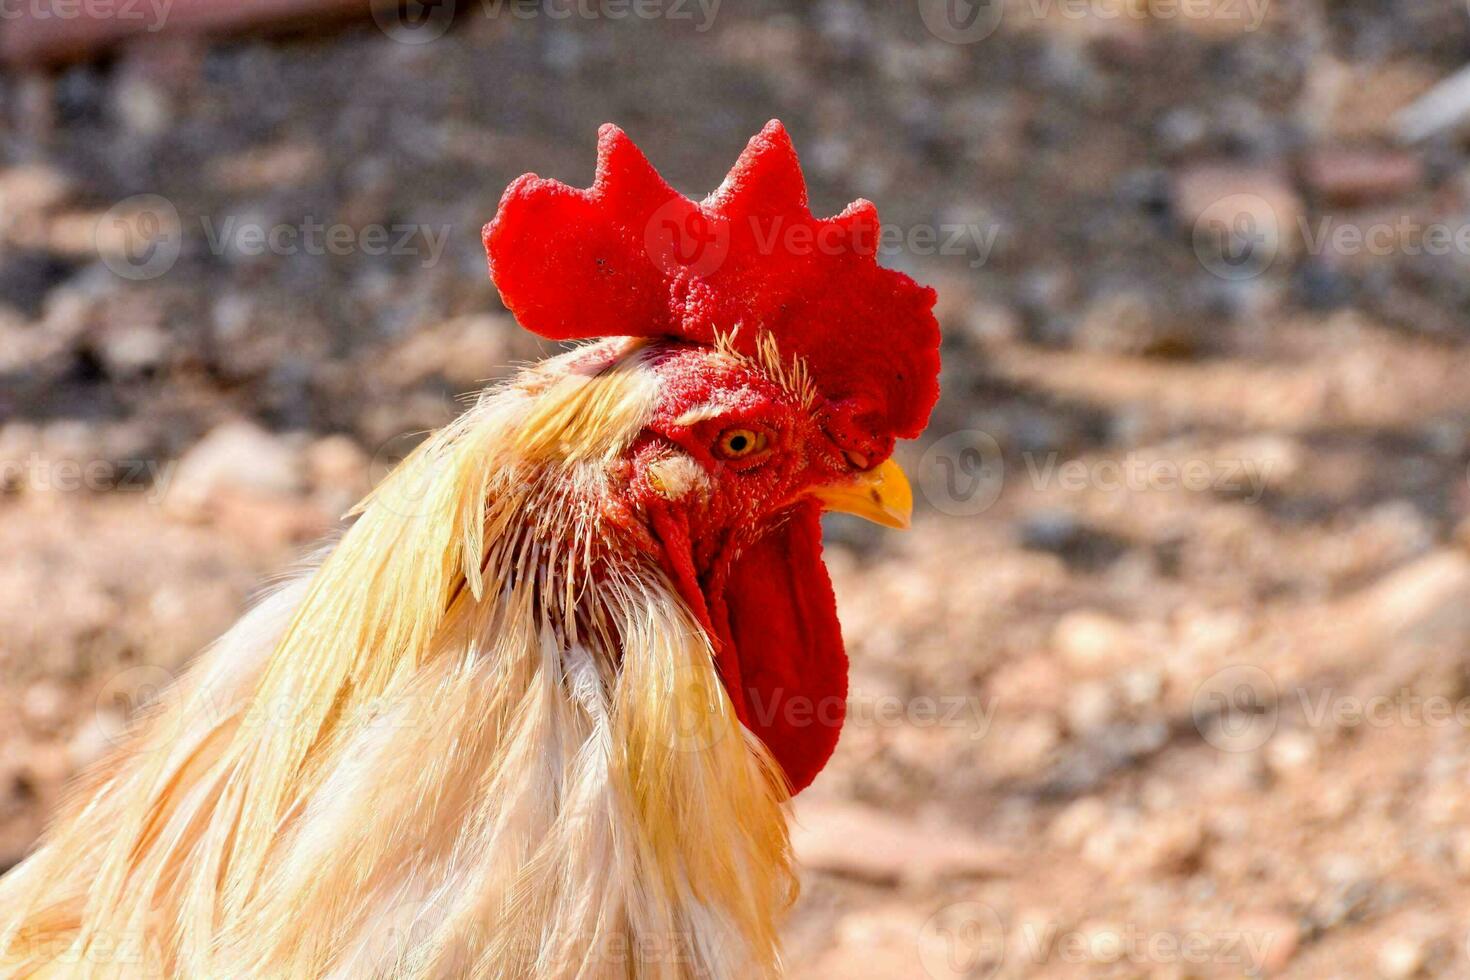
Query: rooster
(539, 711)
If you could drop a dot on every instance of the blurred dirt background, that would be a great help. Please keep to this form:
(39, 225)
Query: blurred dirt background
(1171, 677)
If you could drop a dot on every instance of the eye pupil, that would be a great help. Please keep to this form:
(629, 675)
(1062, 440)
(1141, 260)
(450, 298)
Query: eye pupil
(737, 443)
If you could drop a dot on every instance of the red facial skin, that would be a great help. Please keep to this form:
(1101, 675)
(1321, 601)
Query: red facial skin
(745, 551)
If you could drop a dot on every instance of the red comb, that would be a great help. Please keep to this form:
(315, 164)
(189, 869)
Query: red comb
(630, 256)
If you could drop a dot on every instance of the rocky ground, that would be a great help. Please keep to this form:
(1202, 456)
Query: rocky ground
(1172, 677)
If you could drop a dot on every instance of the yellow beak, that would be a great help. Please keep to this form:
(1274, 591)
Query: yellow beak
(882, 495)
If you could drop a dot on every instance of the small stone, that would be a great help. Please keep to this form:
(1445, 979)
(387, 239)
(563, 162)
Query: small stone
(336, 462)
(271, 167)
(863, 843)
(1062, 533)
(1291, 753)
(1402, 957)
(989, 323)
(270, 521)
(1460, 853)
(1091, 706)
(465, 351)
(1141, 686)
(132, 350)
(1089, 640)
(877, 941)
(45, 703)
(29, 189)
(1279, 937)
(1168, 844)
(1265, 462)
(1110, 849)
(1131, 322)
(237, 457)
(1349, 176)
(143, 105)
(1335, 802)
(1034, 934)
(1214, 200)
(1104, 942)
(1029, 683)
(1079, 821)
(48, 764)
(95, 738)
(1025, 747)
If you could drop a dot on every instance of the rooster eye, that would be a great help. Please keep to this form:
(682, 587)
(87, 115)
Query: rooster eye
(739, 443)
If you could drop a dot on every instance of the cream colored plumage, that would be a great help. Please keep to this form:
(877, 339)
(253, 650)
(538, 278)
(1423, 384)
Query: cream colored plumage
(440, 753)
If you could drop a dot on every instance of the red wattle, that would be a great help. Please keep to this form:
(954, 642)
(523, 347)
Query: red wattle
(782, 618)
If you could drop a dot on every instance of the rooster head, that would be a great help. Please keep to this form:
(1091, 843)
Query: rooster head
(784, 362)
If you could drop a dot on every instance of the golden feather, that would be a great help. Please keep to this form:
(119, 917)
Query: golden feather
(483, 738)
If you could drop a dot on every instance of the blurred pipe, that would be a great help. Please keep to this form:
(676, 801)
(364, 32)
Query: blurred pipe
(1446, 106)
(30, 38)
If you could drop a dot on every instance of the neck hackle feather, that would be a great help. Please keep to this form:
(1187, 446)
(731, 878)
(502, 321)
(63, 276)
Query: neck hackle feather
(483, 739)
